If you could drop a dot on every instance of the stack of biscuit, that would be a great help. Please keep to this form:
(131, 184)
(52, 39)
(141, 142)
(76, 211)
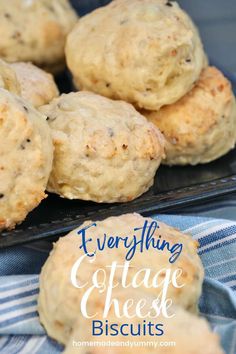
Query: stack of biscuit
(147, 96)
(149, 53)
(31, 31)
(80, 145)
(88, 145)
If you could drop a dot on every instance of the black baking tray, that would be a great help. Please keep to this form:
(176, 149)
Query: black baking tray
(174, 187)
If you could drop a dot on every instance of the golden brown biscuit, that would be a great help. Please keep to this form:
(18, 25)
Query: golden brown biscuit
(35, 31)
(37, 86)
(8, 79)
(105, 151)
(146, 52)
(60, 301)
(26, 153)
(200, 127)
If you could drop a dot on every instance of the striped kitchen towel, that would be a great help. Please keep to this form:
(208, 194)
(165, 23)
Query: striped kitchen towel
(21, 331)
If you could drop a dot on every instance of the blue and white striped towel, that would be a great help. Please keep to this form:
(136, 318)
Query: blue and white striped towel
(19, 326)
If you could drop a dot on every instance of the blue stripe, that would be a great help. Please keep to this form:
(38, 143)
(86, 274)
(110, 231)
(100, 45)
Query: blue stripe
(17, 307)
(217, 235)
(20, 295)
(228, 278)
(17, 319)
(15, 346)
(6, 343)
(20, 348)
(19, 285)
(216, 246)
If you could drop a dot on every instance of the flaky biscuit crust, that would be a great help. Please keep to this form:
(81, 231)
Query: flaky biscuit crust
(145, 52)
(37, 86)
(26, 153)
(105, 151)
(200, 127)
(59, 300)
(35, 30)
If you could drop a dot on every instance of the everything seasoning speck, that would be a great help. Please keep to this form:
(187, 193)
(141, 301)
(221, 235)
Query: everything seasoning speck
(50, 8)
(108, 84)
(47, 118)
(1, 195)
(25, 108)
(123, 21)
(22, 146)
(16, 35)
(124, 146)
(169, 4)
(7, 15)
(110, 132)
(51, 118)
(188, 60)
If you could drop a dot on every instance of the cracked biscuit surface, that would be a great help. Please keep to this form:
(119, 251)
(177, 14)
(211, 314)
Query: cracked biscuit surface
(146, 52)
(105, 151)
(26, 153)
(201, 126)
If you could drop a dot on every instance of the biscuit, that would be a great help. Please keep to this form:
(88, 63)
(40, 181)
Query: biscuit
(59, 301)
(35, 31)
(201, 126)
(37, 86)
(26, 153)
(185, 334)
(146, 52)
(105, 151)
(8, 79)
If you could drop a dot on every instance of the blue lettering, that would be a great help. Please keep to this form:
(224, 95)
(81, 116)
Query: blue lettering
(97, 328)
